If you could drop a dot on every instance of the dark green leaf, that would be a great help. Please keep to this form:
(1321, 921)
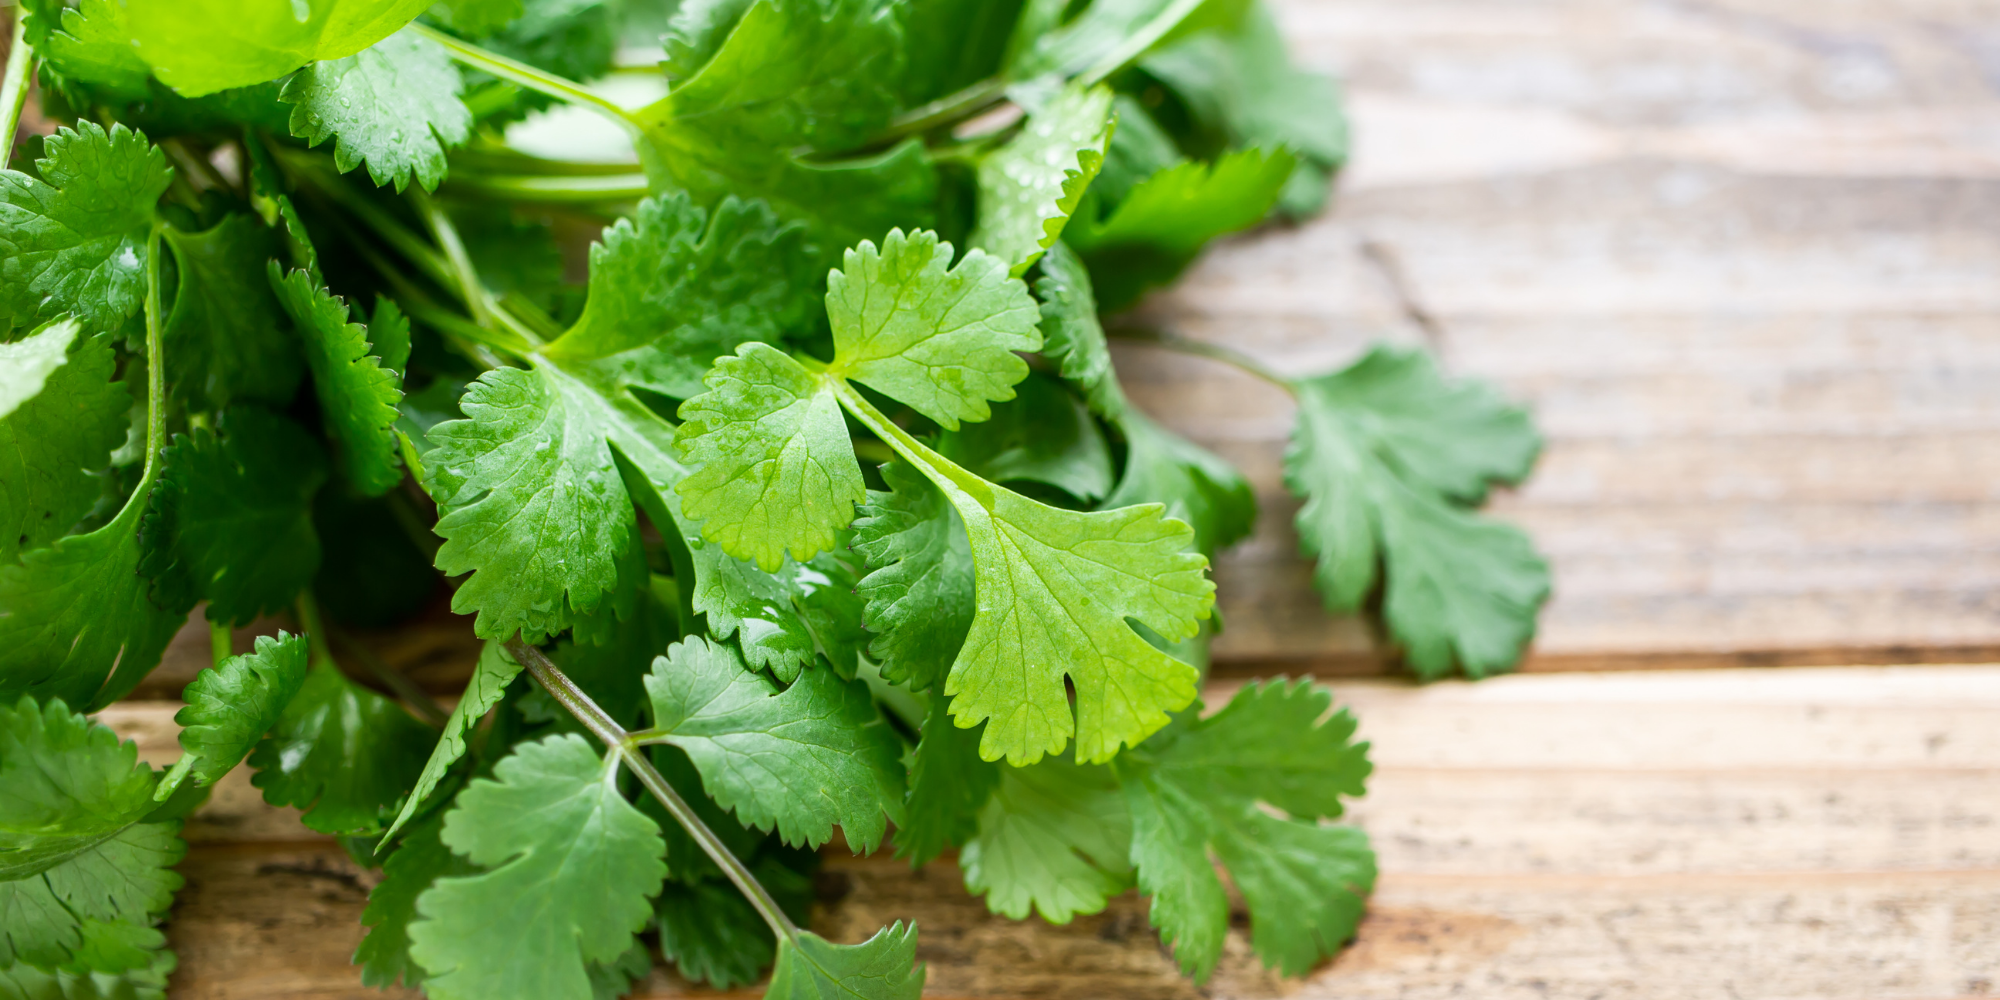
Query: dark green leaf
(949, 785)
(920, 593)
(880, 968)
(232, 705)
(75, 240)
(490, 678)
(357, 394)
(417, 864)
(60, 418)
(1196, 485)
(226, 338)
(1043, 435)
(341, 754)
(1072, 335)
(1163, 223)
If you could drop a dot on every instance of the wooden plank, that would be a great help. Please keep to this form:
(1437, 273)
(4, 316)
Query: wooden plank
(1736, 256)
(1799, 833)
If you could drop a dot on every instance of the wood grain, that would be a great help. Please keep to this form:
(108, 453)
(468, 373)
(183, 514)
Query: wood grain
(1827, 833)
(1738, 258)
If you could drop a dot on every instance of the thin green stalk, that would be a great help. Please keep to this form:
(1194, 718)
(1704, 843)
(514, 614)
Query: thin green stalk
(317, 647)
(566, 189)
(619, 742)
(14, 86)
(527, 76)
(946, 110)
(330, 185)
(1202, 348)
(219, 638)
(469, 289)
(156, 364)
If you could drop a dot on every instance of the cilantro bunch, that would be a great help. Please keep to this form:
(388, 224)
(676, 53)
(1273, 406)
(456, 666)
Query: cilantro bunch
(814, 505)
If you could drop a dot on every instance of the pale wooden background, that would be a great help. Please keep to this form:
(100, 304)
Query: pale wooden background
(1743, 260)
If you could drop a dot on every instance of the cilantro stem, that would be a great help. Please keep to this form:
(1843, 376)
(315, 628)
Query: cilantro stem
(527, 76)
(14, 85)
(485, 311)
(555, 188)
(946, 110)
(1201, 348)
(619, 742)
(156, 364)
(218, 641)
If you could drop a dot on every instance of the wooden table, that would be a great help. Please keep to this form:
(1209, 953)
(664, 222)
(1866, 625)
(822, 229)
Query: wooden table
(1743, 260)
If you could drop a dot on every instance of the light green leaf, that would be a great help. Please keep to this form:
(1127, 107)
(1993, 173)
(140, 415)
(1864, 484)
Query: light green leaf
(1196, 485)
(490, 678)
(1198, 791)
(948, 786)
(672, 289)
(473, 18)
(64, 417)
(1029, 187)
(570, 866)
(774, 466)
(755, 607)
(202, 46)
(393, 106)
(75, 240)
(30, 983)
(880, 968)
(232, 705)
(226, 338)
(341, 754)
(920, 594)
(1054, 836)
(1387, 455)
(1073, 337)
(90, 43)
(1042, 435)
(230, 519)
(357, 394)
(804, 759)
(1165, 220)
(942, 341)
(532, 503)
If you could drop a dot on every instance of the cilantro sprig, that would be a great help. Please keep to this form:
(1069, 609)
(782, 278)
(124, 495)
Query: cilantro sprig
(807, 500)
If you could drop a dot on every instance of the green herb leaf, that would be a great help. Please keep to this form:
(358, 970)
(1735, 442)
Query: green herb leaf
(90, 43)
(880, 968)
(948, 786)
(232, 705)
(1055, 836)
(474, 18)
(1198, 792)
(226, 338)
(357, 394)
(1164, 221)
(75, 240)
(490, 678)
(230, 519)
(570, 866)
(1387, 454)
(713, 934)
(755, 607)
(393, 106)
(1029, 187)
(202, 46)
(416, 865)
(340, 753)
(1042, 435)
(60, 417)
(942, 341)
(1074, 339)
(1197, 486)
(804, 759)
(672, 289)
(774, 468)
(920, 594)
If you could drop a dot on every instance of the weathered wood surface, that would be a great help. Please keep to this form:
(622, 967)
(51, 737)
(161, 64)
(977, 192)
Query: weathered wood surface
(1823, 833)
(1740, 257)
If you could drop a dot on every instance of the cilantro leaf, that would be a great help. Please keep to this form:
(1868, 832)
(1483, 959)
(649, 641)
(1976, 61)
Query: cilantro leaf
(940, 340)
(32, 983)
(474, 18)
(570, 866)
(490, 678)
(1029, 187)
(73, 854)
(75, 240)
(881, 968)
(230, 518)
(1386, 453)
(1197, 486)
(1054, 836)
(203, 46)
(1073, 337)
(673, 288)
(774, 467)
(231, 705)
(920, 593)
(418, 862)
(1139, 149)
(1238, 80)
(577, 39)
(63, 417)
(713, 934)
(340, 753)
(804, 759)
(756, 607)
(393, 106)
(952, 44)
(1165, 220)
(73, 611)
(948, 786)
(89, 43)
(1197, 792)
(357, 394)
(530, 499)
(1042, 435)
(226, 338)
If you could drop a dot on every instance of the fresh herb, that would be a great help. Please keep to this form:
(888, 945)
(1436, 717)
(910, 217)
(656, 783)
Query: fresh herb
(815, 505)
